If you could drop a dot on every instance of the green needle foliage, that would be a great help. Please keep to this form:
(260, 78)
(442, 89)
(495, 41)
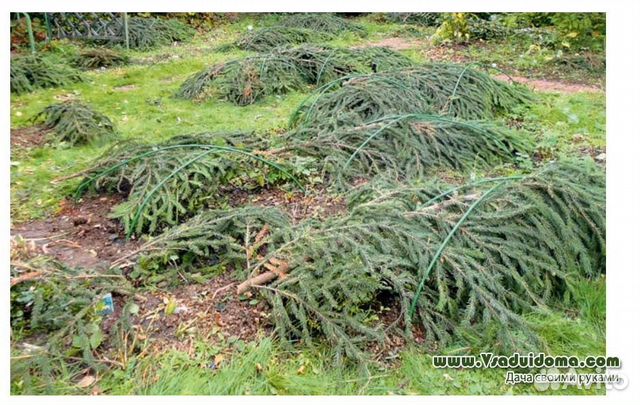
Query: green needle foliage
(96, 58)
(244, 81)
(470, 260)
(266, 39)
(149, 33)
(54, 299)
(60, 311)
(32, 72)
(409, 146)
(168, 182)
(75, 123)
(322, 22)
(322, 65)
(422, 19)
(221, 237)
(452, 89)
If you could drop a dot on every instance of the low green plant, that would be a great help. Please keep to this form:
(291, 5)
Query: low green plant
(464, 27)
(58, 310)
(581, 29)
(564, 30)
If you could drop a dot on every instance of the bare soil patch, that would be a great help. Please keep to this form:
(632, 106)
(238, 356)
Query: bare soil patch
(456, 54)
(126, 88)
(211, 311)
(550, 86)
(25, 138)
(316, 204)
(452, 53)
(397, 44)
(81, 235)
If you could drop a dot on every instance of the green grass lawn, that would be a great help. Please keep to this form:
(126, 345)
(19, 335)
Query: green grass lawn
(140, 100)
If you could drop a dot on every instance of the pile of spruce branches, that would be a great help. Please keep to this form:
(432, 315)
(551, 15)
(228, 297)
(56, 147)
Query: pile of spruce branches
(322, 22)
(266, 39)
(420, 19)
(409, 146)
(32, 72)
(148, 33)
(243, 81)
(297, 29)
(439, 88)
(168, 182)
(95, 58)
(457, 261)
(75, 123)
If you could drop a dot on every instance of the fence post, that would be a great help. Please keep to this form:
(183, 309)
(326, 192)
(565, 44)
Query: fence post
(32, 41)
(126, 29)
(48, 25)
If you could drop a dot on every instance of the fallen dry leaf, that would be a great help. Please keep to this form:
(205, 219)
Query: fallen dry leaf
(218, 318)
(86, 381)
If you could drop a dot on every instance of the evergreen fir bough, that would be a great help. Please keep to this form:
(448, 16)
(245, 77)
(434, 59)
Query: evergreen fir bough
(266, 39)
(246, 80)
(421, 19)
(460, 262)
(75, 123)
(220, 237)
(33, 72)
(443, 88)
(96, 58)
(322, 22)
(149, 33)
(168, 182)
(409, 146)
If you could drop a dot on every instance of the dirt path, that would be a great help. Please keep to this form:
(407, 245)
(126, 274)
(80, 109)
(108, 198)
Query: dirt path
(397, 44)
(550, 86)
(456, 54)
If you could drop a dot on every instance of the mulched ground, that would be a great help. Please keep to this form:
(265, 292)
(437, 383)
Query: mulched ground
(317, 203)
(211, 311)
(81, 235)
(25, 138)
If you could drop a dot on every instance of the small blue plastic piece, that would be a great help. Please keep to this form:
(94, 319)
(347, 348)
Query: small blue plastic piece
(109, 308)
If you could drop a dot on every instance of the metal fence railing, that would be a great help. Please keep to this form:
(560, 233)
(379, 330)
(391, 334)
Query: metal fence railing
(98, 27)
